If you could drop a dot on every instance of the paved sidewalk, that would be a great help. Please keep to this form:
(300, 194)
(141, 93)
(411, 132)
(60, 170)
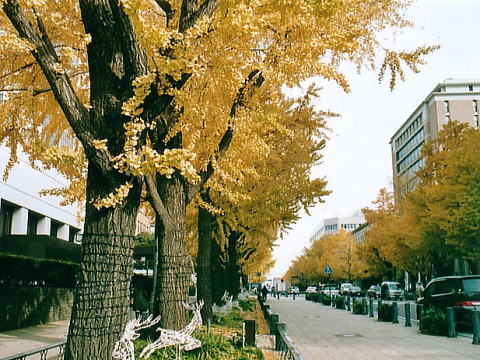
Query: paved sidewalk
(321, 332)
(31, 338)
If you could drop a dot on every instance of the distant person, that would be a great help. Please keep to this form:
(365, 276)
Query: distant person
(264, 293)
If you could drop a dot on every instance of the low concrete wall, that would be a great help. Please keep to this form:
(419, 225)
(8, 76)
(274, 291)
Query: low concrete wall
(31, 305)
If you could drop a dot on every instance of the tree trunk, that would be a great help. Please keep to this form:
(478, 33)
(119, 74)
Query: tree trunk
(102, 295)
(216, 273)
(204, 268)
(233, 268)
(174, 260)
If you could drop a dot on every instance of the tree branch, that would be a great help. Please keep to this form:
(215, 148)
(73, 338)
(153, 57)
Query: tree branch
(254, 81)
(75, 112)
(191, 13)
(156, 201)
(167, 9)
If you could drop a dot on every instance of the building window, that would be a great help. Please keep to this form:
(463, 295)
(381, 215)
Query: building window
(73, 234)
(32, 223)
(54, 226)
(470, 87)
(446, 105)
(6, 213)
(475, 120)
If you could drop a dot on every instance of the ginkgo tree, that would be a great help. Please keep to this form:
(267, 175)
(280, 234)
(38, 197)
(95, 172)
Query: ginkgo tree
(153, 92)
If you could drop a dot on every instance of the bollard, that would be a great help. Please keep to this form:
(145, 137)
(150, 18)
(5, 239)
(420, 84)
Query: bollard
(278, 295)
(354, 300)
(332, 301)
(420, 308)
(344, 303)
(364, 306)
(451, 322)
(379, 305)
(395, 313)
(249, 332)
(274, 319)
(408, 322)
(370, 307)
(293, 296)
(476, 327)
(280, 326)
(348, 302)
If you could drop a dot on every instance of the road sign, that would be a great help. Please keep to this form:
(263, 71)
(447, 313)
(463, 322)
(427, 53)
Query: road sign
(328, 270)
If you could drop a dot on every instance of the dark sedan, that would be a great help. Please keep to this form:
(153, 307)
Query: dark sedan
(460, 292)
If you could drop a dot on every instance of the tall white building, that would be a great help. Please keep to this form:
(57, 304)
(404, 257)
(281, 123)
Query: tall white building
(334, 225)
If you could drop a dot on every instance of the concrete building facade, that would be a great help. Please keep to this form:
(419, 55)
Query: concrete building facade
(24, 212)
(452, 99)
(333, 225)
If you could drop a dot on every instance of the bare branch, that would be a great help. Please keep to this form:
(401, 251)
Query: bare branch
(156, 201)
(254, 81)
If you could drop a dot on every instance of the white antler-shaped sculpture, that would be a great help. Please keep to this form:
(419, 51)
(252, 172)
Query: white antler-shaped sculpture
(182, 338)
(225, 309)
(124, 349)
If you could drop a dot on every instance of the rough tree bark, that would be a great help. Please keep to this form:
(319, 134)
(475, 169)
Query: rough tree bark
(204, 267)
(102, 294)
(174, 260)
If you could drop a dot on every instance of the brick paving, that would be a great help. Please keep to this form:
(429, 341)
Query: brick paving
(323, 333)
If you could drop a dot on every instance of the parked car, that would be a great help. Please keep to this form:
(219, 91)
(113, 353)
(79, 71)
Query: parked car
(374, 291)
(329, 289)
(345, 288)
(311, 290)
(460, 292)
(294, 290)
(391, 290)
(355, 291)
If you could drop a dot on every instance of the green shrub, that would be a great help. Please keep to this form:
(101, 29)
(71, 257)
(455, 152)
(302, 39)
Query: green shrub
(214, 347)
(326, 300)
(357, 308)
(385, 312)
(434, 322)
(339, 302)
(25, 271)
(247, 305)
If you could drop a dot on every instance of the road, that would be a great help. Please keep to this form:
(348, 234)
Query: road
(321, 332)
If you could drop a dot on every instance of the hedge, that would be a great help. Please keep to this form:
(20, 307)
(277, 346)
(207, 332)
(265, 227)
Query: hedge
(24, 271)
(434, 322)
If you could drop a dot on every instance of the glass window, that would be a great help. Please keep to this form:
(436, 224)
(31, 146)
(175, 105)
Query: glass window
(447, 107)
(475, 106)
(471, 285)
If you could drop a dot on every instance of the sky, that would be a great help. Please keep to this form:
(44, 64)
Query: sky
(357, 159)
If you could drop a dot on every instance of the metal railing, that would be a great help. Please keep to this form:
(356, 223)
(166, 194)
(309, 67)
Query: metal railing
(41, 353)
(283, 344)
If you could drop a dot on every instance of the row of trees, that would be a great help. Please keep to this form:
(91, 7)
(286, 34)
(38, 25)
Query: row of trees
(422, 231)
(176, 103)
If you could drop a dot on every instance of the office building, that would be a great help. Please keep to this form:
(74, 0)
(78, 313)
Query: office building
(452, 99)
(334, 225)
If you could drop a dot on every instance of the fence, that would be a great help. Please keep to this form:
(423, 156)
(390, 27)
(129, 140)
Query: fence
(283, 344)
(42, 353)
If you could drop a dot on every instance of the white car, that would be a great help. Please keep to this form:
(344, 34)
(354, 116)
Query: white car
(345, 288)
(294, 290)
(329, 289)
(311, 290)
